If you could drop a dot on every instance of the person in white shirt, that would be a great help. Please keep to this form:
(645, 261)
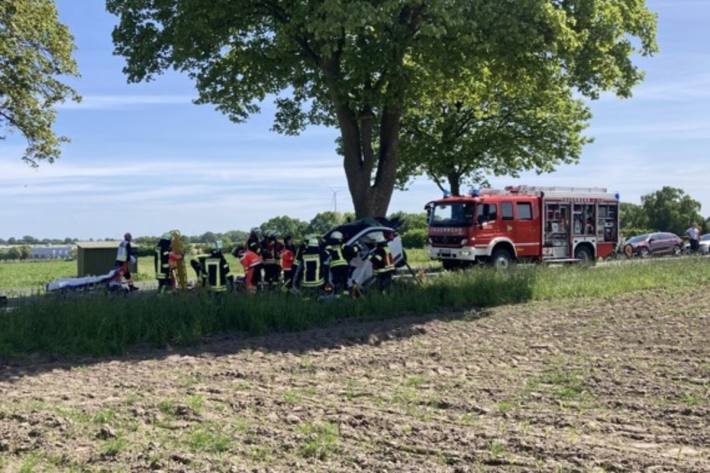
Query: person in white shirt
(694, 236)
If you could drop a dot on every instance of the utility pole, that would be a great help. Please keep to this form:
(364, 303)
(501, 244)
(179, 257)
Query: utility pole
(335, 198)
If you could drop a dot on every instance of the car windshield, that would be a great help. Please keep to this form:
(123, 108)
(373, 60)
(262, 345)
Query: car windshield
(705, 237)
(451, 215)
(637, 239)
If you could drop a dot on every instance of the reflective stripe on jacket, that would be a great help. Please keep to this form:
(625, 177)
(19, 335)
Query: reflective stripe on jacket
(336, 256)
(312, 270)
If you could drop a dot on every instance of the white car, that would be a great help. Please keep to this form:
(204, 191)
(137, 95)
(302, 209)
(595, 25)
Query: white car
(363, 234)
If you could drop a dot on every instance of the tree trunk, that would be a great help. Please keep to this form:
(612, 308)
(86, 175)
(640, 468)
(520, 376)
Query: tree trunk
(454, 183)
(371, 196)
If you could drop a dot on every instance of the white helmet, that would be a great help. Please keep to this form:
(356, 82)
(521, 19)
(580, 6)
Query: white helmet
(313, 242)
(337, 236)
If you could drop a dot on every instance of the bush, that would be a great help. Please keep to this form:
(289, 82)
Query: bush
(631, 232)
(414, 238)
(101, 325)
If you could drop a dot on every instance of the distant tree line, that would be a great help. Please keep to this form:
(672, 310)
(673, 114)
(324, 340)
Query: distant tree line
(667, 210)
(29, 240)
(413, 228)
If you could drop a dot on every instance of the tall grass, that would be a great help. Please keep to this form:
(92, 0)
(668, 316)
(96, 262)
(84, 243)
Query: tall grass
(100, 325)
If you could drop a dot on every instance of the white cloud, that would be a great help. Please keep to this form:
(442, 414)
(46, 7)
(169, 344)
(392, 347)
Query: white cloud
(663, 129)
(676, 88)
(110, 102)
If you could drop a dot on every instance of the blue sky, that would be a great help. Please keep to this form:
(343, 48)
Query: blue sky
(144, 158)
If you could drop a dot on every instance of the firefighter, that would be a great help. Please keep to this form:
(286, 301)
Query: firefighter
(162, 262)
(288, 255)
(215, 270)
(125, 255)
(252, 244)
(310, 266)
(251, 261)
(337, 262)
(176, 261)
(271, 255)
(254, 237)
(382, 263)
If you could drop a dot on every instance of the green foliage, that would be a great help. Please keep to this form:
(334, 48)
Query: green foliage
(560, 382)
(671, 210)
(628, 232)
(410, 221)
(362, 65)
(15, 253)
(100, 325)
(209, 440)
(633, 216)
(488, 127)
(324, 221)
(104, 416)
(35, 50)
(113, 447)
(321, 440)
(416, 238)
(285, 226)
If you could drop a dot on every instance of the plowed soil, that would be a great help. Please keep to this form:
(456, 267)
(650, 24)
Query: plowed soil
(584, 385)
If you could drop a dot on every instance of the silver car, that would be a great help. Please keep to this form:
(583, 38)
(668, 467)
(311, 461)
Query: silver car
(704, 245)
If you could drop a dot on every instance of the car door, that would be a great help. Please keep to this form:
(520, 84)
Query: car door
(488, 222)
(664, 243)
(655, 245)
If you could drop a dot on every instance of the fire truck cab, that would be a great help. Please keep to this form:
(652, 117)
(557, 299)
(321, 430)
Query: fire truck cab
(521, 223)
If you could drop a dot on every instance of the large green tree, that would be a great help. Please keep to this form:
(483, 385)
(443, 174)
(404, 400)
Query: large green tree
(484, 126)
(324, 221)
(35, 52)
(633, 216)
(360, 64)
(671, 210)
(285, 226)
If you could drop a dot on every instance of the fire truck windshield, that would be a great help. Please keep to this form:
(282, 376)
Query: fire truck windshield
(451, 215)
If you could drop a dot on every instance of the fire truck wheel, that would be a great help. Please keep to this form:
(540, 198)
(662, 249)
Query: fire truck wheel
(501, 259)
(584, 255)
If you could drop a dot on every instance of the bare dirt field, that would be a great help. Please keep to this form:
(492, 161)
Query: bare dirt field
(581, 385)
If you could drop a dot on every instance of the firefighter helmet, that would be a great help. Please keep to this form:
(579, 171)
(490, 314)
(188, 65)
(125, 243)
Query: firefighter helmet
(312, 242)
(337, 236)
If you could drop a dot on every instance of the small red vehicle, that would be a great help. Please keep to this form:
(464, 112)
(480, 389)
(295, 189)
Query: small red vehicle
(536, 224)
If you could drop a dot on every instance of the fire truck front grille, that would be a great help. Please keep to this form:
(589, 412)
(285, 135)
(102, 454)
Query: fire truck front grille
(446, 240)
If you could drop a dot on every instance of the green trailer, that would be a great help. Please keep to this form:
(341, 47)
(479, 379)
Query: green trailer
(98, 257)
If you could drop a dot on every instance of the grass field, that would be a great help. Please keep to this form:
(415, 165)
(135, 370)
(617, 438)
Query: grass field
(590, 384)
(105, 325)
(34, 275)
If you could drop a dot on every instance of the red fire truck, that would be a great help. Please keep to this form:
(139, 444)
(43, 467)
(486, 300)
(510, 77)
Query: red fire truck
(540, 224)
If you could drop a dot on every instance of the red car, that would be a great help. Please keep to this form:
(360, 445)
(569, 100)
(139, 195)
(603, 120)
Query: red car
(660, 243)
